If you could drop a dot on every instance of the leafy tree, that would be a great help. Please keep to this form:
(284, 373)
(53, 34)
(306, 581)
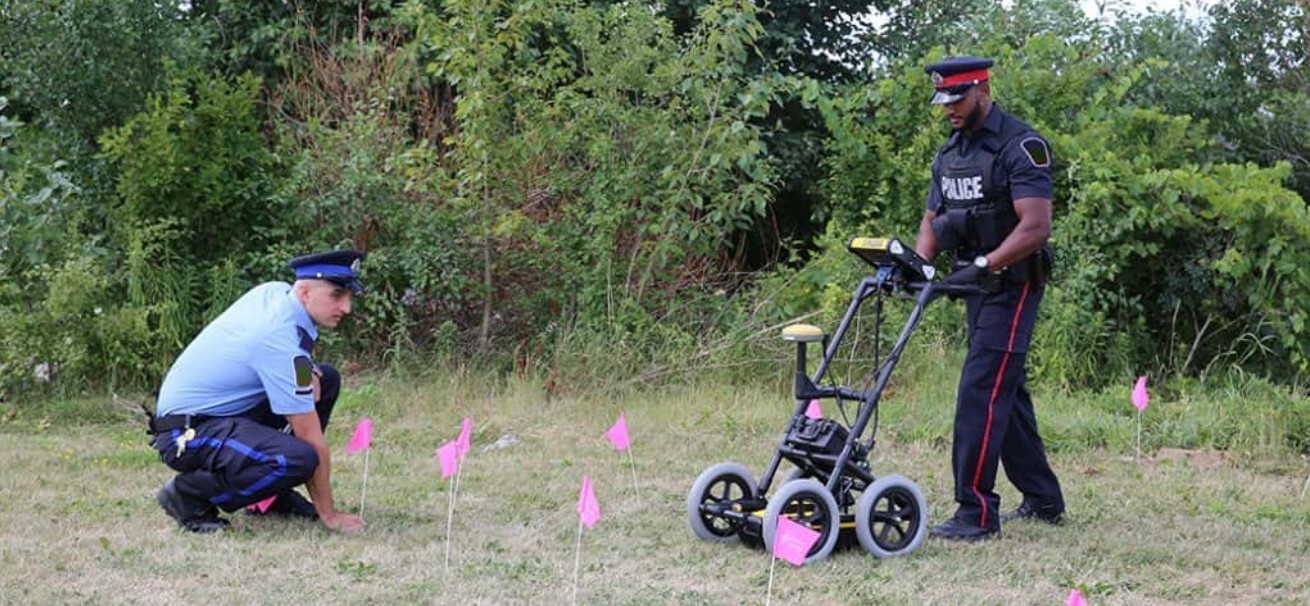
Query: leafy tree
(78, 67)
(1243, 72)
(1159, 243)
(599, 154)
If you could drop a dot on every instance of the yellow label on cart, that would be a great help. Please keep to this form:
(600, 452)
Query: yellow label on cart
(875, 244)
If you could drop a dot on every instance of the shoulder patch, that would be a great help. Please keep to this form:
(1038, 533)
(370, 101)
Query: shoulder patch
(304, 371)
(1037, 152)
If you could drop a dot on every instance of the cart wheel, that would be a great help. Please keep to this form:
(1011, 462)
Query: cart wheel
(807, 502)
(892, 517)
(722, 482)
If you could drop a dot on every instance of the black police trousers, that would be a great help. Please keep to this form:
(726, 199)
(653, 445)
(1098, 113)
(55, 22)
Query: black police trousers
(236, 461)
(994, 418)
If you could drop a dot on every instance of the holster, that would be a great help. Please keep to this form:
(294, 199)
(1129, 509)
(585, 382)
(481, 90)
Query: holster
(1036, 268)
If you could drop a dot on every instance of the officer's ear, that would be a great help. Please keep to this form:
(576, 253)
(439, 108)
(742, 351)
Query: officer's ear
(984, 90)
(301, 288)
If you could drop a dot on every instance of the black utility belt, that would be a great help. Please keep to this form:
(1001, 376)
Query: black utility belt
(168, 423)
(1033, 268)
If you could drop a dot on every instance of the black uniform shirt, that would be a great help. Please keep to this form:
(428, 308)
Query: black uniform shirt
(1024, 163)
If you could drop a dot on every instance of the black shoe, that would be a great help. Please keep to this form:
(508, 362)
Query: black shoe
(1026, 511)
(288, 503)
(175, 505)
(956, 529)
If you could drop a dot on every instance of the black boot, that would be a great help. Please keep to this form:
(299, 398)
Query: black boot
(196, 518)
(1028, 511)
(956, 529)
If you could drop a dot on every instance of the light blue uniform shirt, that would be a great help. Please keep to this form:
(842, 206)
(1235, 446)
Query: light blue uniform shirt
(258, 348)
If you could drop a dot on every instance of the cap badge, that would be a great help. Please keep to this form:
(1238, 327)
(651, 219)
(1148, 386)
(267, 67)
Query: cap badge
(937, 78)
(354, 266)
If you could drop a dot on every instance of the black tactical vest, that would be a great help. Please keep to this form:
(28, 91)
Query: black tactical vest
(975, 185)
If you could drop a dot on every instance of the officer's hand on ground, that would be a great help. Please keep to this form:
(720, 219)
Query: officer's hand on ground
(970, 275)
(342, 522)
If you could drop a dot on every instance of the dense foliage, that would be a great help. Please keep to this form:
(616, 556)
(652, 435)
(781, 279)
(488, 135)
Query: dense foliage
(533, 180)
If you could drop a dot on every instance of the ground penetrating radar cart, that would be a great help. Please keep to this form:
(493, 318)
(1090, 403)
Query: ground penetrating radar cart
(831, 490)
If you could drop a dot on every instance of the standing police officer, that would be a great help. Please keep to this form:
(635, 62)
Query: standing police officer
(228, 401)
(989, 204)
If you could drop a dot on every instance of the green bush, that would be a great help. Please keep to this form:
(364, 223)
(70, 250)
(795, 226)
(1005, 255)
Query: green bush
(1164, 262)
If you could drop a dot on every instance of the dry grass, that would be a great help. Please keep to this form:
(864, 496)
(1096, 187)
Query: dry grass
(78, 523)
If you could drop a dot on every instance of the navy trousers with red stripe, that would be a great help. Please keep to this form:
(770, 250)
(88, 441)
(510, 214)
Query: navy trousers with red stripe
(994, 417)
(237, 461)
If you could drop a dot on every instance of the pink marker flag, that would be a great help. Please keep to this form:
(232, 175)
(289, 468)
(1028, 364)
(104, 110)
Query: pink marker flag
(262, 506)
(813, 411)
(1076, 598)
(1140, 397)
(792, 541)
(588, 508)
(618, 434)
(463, 442)
(448, 454)
(363, 436)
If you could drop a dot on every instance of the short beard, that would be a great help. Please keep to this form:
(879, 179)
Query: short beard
(972, 120)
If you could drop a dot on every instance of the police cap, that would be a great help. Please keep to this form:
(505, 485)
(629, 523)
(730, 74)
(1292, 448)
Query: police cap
(340, 267)
(955, 76)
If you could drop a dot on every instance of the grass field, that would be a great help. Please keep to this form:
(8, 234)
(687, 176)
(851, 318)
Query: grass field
(78, 522)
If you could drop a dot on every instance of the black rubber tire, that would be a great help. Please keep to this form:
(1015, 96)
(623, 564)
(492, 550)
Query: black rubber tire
(891, 518)
(722, 482)
(808, 502)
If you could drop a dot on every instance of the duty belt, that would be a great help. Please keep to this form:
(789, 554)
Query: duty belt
(168, 423)
(173, 423)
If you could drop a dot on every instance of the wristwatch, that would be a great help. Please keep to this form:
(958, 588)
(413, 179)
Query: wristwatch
(981, 262)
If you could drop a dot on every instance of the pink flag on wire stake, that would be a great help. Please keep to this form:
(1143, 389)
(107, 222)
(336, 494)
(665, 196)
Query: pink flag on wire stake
(262, 506)
(618, 434)
(463, 443)
(588, 508)
(792, 541)
(362, 438)
(813, 411)
(448, 454)
(1076, 598)
(1140, 397)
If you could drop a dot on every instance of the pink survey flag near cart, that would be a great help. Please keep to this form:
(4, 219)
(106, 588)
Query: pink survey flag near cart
(792, 541)
(1140, 399)
(813, 411)
(451, 454)
(618, 434)
(448, 454)
(464, 441)
(262, 506)
(362, 438)
(588, 507)
(1076, 599)
(588, 514)
(1140, 396)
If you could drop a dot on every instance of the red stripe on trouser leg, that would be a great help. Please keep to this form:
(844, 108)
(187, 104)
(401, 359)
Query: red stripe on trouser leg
(991, 403)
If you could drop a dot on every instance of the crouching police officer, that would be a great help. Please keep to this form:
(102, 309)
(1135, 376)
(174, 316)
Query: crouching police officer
(229, 400)
(989, 205)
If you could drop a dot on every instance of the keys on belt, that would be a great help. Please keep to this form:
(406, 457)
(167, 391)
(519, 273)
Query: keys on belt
(182, 440)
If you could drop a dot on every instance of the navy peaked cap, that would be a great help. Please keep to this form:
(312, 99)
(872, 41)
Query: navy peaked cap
(340, 267)
(954, 76)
